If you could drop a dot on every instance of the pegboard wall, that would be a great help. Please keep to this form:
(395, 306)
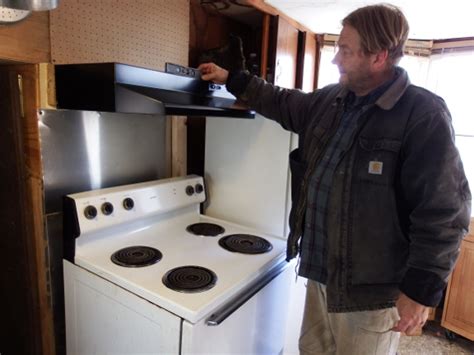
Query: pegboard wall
(145, 33)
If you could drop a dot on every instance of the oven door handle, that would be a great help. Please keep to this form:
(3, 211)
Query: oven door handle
(223, 313)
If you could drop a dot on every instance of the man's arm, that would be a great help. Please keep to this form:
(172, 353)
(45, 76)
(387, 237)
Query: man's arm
(214, 73)
(289, 107)
(438, 199)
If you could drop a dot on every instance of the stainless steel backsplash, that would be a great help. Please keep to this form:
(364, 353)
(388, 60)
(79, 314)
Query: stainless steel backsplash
(85, 150)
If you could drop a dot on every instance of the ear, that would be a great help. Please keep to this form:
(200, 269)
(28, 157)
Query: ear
(380, 59)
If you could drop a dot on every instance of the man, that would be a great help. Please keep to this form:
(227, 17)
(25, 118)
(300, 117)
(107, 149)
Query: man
(380, 198)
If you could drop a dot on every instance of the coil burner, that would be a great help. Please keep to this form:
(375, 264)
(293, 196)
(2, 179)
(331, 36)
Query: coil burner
(205, 229)
(136, 256)
(190, 279)
(245, 244)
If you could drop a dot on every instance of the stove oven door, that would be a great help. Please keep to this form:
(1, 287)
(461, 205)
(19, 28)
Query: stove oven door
(102, 318)
(252, 323)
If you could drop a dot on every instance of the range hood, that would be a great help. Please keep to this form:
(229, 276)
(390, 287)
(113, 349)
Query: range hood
(115, 87)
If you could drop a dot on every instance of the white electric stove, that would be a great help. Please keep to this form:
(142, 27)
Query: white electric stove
(145, 272)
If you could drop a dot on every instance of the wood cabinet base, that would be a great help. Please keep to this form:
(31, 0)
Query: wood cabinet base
(458, 314)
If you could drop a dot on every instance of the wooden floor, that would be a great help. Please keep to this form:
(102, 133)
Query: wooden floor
(434, 342)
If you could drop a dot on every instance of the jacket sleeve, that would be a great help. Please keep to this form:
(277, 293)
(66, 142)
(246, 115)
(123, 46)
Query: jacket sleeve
(289, 107)
(439, 202)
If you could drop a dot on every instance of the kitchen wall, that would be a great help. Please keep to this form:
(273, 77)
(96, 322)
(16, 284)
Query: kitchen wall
(141, 32)
(246, 168)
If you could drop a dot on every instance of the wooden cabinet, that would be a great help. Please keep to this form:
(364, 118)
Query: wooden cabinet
(458, 314)
(286, 51)
(307, 56)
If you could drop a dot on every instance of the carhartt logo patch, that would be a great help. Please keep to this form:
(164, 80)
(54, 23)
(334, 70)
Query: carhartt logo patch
(375, 167)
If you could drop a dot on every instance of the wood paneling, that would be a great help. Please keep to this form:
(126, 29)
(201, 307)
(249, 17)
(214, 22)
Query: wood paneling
(25, 281)
(458, 314)
(265, 45)
(33, 182)
(178, 146)
(47, 84)
(27, 41)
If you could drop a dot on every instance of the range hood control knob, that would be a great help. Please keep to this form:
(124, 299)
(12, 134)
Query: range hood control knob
(128, 203)
(189, 190)
(107, 208)
(199, 188)
(90, 212)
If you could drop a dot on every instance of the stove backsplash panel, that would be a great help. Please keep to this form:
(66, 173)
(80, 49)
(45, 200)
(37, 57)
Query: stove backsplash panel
(86, 150)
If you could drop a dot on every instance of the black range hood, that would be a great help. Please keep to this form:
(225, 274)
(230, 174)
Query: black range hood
(115, 87)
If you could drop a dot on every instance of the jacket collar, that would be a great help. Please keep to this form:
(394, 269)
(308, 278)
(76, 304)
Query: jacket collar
(395, 91)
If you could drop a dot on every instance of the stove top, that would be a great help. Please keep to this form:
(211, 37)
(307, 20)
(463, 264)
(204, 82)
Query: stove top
(153, 236)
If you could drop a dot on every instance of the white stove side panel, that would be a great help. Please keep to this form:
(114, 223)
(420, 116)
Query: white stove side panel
(246, 171)
(102, 318)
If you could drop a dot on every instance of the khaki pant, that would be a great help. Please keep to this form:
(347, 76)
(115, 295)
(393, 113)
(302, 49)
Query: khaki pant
(350, 333)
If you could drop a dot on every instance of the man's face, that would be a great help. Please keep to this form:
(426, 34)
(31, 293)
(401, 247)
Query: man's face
(354, 65)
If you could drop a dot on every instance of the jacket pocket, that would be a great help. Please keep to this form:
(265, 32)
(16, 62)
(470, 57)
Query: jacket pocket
(378, 248)
(376, 160)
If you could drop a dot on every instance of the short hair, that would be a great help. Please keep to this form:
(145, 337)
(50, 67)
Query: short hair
(380, 27)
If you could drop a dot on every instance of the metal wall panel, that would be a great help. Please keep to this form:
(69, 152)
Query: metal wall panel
(85, 150)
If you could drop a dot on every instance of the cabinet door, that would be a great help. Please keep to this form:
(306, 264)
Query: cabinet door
(458, 314)
(306, 67)
(286, 51)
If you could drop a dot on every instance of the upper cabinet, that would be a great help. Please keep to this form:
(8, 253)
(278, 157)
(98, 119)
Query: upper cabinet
(286, 53)
(239, 36)
(308, 50)
(229, 35)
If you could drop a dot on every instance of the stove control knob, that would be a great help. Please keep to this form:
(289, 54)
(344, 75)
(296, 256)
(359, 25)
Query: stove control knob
(189, 190)
(107, 208)
(90, 212)
(199, 188)
(128, 203)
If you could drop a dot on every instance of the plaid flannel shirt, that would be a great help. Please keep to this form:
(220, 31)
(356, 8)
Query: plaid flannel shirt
(313, 263)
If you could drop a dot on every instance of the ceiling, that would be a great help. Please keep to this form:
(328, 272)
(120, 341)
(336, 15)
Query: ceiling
(428, 19)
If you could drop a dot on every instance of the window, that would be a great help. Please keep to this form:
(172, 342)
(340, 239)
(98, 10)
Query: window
(449, 75)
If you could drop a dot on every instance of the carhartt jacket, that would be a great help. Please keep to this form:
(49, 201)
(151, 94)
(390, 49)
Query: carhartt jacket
(400, 201)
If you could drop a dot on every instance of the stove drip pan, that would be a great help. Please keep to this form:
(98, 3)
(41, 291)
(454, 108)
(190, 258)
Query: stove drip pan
(190, 279)
(136, 256)
(245, 244)
(205, 229)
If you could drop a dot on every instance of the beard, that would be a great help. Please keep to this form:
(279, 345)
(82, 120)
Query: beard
(358, 81)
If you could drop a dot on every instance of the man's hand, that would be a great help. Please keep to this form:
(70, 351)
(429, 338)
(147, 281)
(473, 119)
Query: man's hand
(413, 315)
(213, 72)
